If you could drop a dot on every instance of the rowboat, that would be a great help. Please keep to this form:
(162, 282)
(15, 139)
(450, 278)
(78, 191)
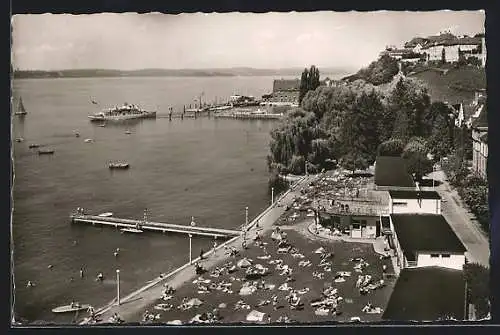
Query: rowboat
(119, 165)
(131, 230)
(46, 152)
(106, 215)
(70, 308)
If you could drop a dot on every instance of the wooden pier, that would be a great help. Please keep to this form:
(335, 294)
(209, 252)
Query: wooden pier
(153, 226)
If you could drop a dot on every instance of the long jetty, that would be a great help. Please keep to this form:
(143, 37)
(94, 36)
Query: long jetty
(153, 226)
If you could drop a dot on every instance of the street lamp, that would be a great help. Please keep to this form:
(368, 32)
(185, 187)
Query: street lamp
(190, 249)
(305, 166)
(272, 195)
(118, 287)
(246, 217)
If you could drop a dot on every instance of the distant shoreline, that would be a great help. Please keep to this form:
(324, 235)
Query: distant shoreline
(98, 73)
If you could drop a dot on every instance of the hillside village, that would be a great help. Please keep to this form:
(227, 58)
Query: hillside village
(444, 68)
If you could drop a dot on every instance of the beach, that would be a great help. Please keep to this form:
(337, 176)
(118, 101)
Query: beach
(237, 306)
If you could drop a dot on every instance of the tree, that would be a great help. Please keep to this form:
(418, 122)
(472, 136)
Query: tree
(303, 88)
(358, 133)
(309, 81)
(392, 147)
(297, 165)
(354, 161)
(440, 127)
(291, 138)
(408, 102)
(443, 56)
(415, 154)
(477, 278)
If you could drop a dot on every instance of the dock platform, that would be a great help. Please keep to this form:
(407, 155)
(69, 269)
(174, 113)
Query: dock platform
(153, 226)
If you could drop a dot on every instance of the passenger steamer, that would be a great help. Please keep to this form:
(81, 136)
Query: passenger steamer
(125, 112)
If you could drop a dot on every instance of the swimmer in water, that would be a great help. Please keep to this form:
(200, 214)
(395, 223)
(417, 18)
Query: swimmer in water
(100, 276)
(75, 242)
(30, 284)
(50, 266)
(81, 273)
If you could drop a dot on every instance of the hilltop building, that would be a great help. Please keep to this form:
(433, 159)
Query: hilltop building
(432, 48)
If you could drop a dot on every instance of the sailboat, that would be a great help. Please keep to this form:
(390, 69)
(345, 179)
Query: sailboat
(20, 108)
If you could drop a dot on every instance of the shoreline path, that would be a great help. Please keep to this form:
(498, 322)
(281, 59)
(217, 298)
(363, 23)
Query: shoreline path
(136, 301)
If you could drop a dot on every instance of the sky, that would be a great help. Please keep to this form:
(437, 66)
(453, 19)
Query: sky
(221, 40)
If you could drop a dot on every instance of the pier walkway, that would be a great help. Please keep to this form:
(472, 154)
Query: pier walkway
(154, 226)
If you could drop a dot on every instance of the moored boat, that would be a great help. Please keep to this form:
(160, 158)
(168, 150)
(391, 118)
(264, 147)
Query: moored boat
(131, 230)
(118, 165)
(106, 215)
(74, 307)
(125, 112)
(34, 145)
(20, 108)
(46, 151)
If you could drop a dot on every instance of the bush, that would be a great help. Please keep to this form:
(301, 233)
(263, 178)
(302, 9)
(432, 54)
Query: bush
(477, 278)
(392, 147)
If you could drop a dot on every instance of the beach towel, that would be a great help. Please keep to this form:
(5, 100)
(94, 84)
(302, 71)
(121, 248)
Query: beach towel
(255, 316)
(174, 322)
(244, 263)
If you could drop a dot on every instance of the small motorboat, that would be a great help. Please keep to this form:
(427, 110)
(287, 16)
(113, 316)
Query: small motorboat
(33, 146)
(102, 125)
(128, 132)
(70, 308)
(106, 215)
(119, 165)
(131, 230)
(88, 140)
(46, 152)
(19, 139)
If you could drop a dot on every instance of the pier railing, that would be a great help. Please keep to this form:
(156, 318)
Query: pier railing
(153, 226)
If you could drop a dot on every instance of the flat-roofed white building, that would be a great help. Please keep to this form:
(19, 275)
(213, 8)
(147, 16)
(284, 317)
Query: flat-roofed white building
(426, 202)
(422, 240)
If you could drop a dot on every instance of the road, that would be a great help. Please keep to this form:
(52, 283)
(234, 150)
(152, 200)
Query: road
(136, 302)
(463, 222)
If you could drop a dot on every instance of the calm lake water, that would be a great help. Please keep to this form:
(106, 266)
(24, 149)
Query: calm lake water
(206, 168)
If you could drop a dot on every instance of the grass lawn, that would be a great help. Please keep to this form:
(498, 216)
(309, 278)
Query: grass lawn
(351, 305)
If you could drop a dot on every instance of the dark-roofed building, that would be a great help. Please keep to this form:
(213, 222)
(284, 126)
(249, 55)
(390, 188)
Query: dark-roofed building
(426, 202)
(426, 240)
(427, 294)
(391, 174)
(285, 91)
(480, 140)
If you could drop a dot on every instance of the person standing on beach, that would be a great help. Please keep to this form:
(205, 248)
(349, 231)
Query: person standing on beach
(215, 247)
